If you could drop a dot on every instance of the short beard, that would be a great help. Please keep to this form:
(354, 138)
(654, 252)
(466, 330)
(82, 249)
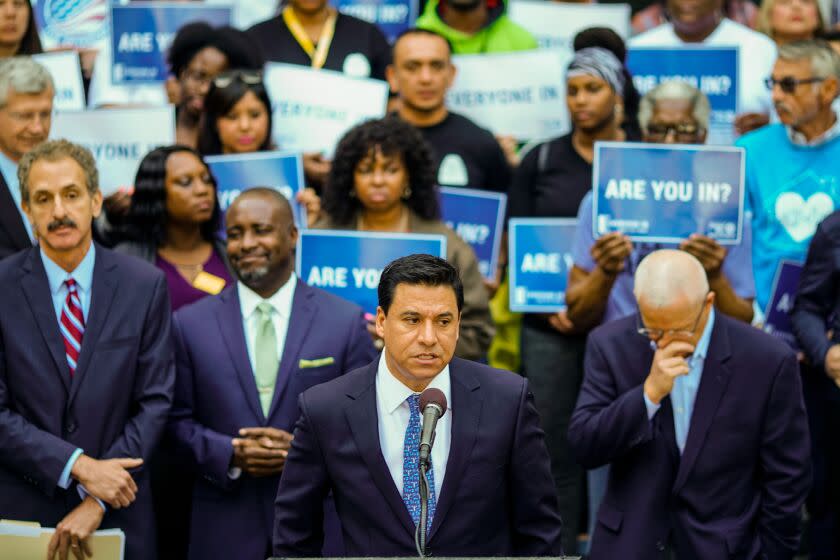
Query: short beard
(252, 277)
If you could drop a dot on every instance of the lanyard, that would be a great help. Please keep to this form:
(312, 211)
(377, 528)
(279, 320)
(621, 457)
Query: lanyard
(319, 54)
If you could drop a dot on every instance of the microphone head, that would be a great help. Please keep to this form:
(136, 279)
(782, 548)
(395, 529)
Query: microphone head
(433, 396)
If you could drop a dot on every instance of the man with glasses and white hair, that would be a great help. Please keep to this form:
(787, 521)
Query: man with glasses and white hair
(792, 184)
(26, 101)
(701, 418)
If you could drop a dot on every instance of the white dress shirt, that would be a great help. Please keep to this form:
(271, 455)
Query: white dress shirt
(281, 303)
(393, 412)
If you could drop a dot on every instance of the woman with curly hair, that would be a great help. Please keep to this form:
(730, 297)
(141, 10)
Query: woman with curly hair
(172, 223)
(382, 179)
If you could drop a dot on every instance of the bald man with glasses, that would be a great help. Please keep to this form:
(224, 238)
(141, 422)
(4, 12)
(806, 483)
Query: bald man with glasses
(700, 417)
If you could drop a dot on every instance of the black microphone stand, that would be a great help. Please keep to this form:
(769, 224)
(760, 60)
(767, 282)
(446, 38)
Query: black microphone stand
(420, 531)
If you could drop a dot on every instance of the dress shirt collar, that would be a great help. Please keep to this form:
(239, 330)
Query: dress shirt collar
(798, 139)
(83, 273)
(702, 347)
(280, 301)
(392, 393)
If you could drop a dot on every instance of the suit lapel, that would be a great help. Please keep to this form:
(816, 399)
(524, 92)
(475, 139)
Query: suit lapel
(300, 320)
(37, 291)
(101, 296)
(713, 384)
(229, 318)
(466, 416)
(361, 416)
(10, 218)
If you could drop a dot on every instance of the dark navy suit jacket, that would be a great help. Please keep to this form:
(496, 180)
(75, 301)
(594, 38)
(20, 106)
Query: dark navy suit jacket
(738, 487)
(216, 395)
(13, 236)
(116, 404)
(497, 499)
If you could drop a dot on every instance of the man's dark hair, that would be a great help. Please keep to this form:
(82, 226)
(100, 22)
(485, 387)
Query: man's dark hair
(419, 31)
(422, 270)
(194, 37)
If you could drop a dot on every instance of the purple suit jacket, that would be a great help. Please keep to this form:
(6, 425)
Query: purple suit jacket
(498, 496)
(738, 487)
(216, 395)
(116, 404)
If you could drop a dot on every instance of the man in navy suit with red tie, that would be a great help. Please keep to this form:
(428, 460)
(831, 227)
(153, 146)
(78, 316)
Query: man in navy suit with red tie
(86, 366)
(490, 485)
(702, 421)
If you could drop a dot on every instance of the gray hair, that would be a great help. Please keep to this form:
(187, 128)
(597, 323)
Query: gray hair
(676, 90)
(54, 150)
(667, 275)
(22, 74)
(825, 63)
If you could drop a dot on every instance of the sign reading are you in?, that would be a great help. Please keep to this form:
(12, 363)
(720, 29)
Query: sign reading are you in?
(236, 173)
(349, 263)
(478, 217)
(392, 17)
(665, 193)
(141, 34)
(777, 315)
(540, 259)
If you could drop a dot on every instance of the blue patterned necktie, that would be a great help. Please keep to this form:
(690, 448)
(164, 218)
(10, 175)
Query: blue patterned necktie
(411, 467)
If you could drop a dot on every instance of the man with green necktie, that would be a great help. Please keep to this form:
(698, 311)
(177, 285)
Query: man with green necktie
(243, 358)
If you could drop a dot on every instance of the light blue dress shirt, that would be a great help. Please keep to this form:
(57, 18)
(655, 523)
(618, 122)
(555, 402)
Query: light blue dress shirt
(83, 275)
(9, 170)
(685, 388)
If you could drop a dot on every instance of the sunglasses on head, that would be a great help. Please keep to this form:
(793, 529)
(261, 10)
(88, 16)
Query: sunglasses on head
(248, 77)
(789, 83)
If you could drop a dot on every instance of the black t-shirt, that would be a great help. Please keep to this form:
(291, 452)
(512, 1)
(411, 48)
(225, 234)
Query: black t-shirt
(553, 187)
(354, 43)
(466, 155)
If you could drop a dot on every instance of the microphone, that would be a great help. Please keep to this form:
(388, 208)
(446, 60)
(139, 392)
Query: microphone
(433, 406)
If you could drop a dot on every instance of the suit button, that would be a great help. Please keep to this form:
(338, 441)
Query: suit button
(660, 546)
(71, 427)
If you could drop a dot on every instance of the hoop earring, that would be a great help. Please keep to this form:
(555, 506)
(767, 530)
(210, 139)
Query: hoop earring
(406, 193)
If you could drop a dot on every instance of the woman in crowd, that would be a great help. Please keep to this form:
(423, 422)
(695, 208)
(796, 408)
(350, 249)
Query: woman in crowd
(786, 21)
(18, 31)
(237, 115)
(382, 180)
(172, 223)
(550, 182)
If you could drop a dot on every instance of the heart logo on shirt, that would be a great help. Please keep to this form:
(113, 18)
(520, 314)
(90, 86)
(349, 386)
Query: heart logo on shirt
(801, 217)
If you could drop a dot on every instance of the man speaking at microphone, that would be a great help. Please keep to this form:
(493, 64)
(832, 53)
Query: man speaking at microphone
(490, 490)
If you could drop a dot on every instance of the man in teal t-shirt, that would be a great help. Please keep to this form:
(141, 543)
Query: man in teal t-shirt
(793, 168)
(475, 26)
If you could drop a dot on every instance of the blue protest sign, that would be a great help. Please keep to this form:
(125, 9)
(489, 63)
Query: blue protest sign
(391, 16)
(713, 70)
(349, 263)
(278, 170)
(142, 33)
(663, 193)
(777, 315)
(479, 218)
(540, 258)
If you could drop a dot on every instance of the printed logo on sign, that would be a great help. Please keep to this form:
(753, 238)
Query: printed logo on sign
(77, 22)
(521, 296)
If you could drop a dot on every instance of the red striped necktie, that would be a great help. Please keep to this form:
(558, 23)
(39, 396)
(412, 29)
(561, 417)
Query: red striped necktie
(72, 325)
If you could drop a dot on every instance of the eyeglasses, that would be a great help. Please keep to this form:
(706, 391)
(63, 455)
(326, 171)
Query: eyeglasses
(658, 334)
(248, 77)
(789, 83)
(683, 131)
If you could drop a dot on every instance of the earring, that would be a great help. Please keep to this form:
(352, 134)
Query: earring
(352, 193)
(406, 193)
